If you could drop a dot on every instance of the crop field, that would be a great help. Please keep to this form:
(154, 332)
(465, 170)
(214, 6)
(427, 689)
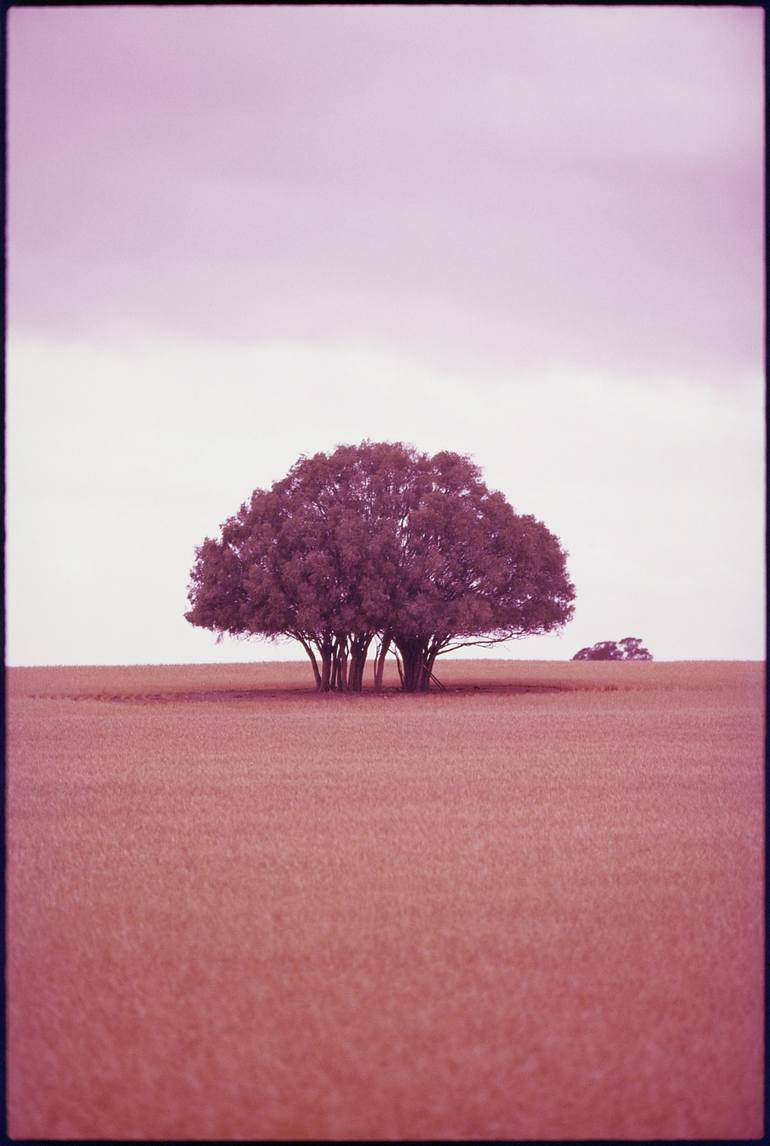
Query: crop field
(527, 907)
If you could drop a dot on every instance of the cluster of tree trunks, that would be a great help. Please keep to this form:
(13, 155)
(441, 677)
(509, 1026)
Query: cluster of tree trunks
(339, 660)
(418, 656)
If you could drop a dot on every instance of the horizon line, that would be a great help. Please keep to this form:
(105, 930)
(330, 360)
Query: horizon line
(304, 662)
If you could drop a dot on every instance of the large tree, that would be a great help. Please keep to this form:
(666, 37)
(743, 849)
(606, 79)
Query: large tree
(380, 541)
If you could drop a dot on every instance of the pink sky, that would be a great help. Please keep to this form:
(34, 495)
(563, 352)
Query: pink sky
(530, 233)
(530, 184)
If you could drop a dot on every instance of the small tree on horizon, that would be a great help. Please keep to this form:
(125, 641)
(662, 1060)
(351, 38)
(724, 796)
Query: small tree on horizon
(627, 649)
(380, 541)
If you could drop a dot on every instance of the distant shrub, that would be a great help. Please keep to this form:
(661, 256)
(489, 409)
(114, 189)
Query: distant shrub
(627, 649)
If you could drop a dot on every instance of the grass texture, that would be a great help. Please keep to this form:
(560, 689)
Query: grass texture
(527, 907)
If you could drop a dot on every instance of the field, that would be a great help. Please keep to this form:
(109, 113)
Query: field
(528, 907)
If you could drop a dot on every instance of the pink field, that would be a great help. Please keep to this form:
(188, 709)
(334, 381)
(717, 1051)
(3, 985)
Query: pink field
(529, 907)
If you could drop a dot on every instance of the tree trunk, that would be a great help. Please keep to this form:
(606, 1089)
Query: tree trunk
(430, 660)
(413, 654)
(326, 664)
(408, 684)
(400, 667)
(359, 647)
(379, 660)
(308, 649)
(355, 668)
(339, 679)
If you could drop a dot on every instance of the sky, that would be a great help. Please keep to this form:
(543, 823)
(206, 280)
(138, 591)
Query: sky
(530, 234)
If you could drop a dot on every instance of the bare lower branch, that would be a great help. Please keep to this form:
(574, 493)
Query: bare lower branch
(485, 644)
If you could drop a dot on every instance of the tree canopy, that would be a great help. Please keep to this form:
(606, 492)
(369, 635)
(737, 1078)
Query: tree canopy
(380, 541)
(627, 649)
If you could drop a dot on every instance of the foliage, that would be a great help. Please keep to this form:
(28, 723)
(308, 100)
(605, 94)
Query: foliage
(627, 649)
(378, 540)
